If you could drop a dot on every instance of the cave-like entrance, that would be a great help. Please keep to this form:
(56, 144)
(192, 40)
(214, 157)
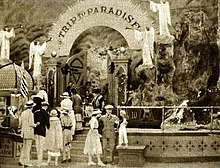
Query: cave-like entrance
(90, 61)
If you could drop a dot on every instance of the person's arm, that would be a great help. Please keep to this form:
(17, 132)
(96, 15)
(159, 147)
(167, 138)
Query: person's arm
(47, 120)
(31, 121)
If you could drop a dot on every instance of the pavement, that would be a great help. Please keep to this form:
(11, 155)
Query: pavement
(5, 163)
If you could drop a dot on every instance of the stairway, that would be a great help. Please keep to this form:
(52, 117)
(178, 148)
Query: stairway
(77, 146)
(76, 149)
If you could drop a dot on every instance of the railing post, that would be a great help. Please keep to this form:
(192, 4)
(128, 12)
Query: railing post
(163, 113)
(211, 117)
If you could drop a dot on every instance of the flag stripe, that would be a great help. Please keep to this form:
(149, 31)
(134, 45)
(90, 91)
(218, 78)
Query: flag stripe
(24, 87)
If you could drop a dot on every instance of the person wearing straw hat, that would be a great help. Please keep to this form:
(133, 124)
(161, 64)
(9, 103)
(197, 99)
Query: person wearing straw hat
(108, 132)
(98, 100)
(67, 125)
(93, 144)
(54, 137)
(27, 125)
(67, 105)
(66, 102)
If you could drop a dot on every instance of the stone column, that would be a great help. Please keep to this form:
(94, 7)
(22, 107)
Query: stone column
(218, 36)
(54, 82)
(120, 79)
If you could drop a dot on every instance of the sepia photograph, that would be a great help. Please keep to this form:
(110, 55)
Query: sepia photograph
(110, 83)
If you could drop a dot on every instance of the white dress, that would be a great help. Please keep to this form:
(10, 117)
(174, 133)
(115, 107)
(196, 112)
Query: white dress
(93, 144)
(123, 132)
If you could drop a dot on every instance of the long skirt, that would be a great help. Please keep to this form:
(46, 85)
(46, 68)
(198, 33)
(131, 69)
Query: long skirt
(93, 144)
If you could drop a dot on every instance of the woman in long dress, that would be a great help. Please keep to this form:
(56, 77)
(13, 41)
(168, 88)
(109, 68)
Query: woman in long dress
(93, 144)
(54, 137)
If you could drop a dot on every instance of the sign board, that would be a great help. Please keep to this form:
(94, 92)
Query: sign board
(6, 147)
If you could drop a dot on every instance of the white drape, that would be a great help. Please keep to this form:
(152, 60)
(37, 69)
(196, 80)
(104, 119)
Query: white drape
(147, 45)
(36, 52)
(164, 16)
(5, 43)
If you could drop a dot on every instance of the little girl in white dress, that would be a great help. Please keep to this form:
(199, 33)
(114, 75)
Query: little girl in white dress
(123, 139)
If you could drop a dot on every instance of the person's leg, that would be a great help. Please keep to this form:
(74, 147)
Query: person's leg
(68, 154)
(64, 154)
(40, 151)
(125, 137)
(56, 160)
(49, 158)
(112, 146)
(28, 151)
(90, 162)
(120, 137)
(23, 152)
(99, 160)
(37, 141)
(104, 146)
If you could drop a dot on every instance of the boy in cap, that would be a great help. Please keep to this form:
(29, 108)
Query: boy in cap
(108, 132)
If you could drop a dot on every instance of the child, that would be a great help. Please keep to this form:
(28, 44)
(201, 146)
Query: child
(54, 137)
(122, 129)
(67, 125)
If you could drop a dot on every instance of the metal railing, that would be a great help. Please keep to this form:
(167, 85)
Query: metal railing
(201, 116)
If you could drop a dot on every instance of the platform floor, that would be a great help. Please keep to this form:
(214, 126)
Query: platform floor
(14, 164)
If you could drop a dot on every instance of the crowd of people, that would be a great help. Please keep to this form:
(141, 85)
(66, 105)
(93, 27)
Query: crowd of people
(53, 130)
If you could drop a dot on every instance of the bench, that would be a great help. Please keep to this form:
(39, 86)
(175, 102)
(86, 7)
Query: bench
(131, 156)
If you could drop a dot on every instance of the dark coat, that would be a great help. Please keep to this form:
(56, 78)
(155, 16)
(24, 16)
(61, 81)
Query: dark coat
(43, 117)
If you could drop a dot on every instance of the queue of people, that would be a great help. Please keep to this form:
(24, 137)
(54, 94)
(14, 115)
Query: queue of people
(54, 130)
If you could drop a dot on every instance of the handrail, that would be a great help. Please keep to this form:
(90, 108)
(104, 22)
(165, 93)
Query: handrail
(173, 107)
(126, 107)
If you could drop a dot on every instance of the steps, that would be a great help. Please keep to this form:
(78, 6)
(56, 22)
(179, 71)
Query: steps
(77, 147)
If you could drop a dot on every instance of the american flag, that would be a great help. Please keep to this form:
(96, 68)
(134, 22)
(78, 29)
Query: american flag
(24, 86)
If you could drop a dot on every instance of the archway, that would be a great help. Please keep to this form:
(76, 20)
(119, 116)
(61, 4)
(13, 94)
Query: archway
(89, 58)
(116, 14)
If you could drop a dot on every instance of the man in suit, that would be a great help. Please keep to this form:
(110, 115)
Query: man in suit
(108, 132)
(27, 125)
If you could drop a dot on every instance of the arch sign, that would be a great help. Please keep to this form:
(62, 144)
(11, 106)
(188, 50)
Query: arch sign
(116, 14)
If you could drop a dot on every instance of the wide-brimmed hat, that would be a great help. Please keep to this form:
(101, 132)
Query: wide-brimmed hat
(37, 99)
(65, 95)
(13, 108)
(30, 104)
(96, 111)
(109, 107)
(96, 90)
(53, 113)
(44, 103)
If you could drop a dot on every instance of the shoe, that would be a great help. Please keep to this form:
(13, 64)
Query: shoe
(28, 165)
(101, 164)
(91, 163)
(64, 161)
(20, 164)
(112, 163)
(44, 164)
(69, 160)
